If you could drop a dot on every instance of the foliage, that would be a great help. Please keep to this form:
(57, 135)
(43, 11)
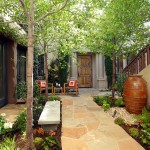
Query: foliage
(119, 121)
(100, 100)
(36, 90)
(108, 70)
(38, 142)
(41, 100)
(54, 98)
(21, 90)
(53, 72)
(145, 124)
(105, 105)
(58, 71)
(119, 103)
(2, 121)
(134, 132)
(39, 132)
(9, 144)
(63, 68)
(144, 117)
(104, 101)
(20, 123)
(145, 133)
(12, 33)
(5, 126)
(37, 110)
(121, 78)
(51, 143)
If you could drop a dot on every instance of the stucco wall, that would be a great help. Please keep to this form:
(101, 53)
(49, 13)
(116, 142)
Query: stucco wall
(146, 75)
(99, 79)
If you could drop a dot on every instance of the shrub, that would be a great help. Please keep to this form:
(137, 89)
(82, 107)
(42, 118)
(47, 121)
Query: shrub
(119, 121)
(134, 132)
(145, 133)
(145, 124)
(36, 90)
(5, 126)
(41, 100)
(9, 144)
(121, 78)
(51, 143)
(54, 98)
(37, 110)
(38, 142)
(21, 90)
(2, 121)
(144, 117)
(119, 103)
(100, 100)
(105, 106)
(20, 123)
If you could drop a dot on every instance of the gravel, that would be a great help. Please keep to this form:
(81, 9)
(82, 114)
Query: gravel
(116, 112)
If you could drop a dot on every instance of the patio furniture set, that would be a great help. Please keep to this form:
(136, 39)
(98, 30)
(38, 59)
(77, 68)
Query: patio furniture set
(68, 88)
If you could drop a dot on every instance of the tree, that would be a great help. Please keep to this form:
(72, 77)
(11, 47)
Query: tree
(27, 18)
(119, 29)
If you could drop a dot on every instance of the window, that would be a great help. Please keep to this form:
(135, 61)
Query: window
(21, 64)
(41, 65)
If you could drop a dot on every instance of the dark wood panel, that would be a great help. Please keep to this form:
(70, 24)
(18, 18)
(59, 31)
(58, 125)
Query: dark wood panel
(85, 71)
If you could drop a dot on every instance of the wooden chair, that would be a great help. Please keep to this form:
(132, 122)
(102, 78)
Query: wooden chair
(71, 87)
(42, 86)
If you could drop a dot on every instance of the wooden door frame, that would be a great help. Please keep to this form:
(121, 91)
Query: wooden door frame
(87, 54)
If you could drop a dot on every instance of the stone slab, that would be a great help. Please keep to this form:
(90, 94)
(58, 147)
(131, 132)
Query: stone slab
(50, 113)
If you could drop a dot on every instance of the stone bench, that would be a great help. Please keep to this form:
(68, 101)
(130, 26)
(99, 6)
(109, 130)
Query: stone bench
(50, 116)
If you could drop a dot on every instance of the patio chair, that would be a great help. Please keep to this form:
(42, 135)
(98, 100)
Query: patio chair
(42, 86)
(71, 87)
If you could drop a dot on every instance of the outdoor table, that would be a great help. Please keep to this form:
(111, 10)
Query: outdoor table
(58, 90)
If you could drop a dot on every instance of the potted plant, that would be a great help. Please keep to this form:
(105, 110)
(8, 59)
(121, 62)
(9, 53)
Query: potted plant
(21, 92)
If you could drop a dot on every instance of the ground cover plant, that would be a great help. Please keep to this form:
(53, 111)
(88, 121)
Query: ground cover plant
(139, 131)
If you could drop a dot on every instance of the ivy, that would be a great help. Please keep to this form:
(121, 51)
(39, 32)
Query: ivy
(12, 34)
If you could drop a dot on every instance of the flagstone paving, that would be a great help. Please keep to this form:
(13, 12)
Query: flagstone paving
(12, 111)
(85, 126)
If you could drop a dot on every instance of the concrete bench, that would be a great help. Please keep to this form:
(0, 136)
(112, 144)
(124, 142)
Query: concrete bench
(50, 116)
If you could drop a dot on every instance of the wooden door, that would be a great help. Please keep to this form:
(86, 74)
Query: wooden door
(85, 70)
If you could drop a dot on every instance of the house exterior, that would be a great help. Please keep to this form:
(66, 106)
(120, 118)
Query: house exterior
(12, 63)
(89, 70)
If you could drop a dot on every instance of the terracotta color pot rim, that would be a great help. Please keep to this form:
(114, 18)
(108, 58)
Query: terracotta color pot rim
(135, 75)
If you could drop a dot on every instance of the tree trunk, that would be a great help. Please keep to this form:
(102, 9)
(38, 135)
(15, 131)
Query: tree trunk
(46, 72)
(29, 132)
(113, 77)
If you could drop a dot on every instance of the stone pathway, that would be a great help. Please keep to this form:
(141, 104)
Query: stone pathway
(85, 126)
(12, 111)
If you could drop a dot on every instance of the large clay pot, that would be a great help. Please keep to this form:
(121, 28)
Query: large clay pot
(135, 94)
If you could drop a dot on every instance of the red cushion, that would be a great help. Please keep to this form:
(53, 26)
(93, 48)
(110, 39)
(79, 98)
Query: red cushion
(72, 83)
(42, 83)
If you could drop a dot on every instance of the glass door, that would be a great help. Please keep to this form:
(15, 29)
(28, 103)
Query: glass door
(2, 75)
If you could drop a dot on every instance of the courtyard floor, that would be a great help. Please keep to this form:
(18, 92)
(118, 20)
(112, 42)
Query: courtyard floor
(85, 126)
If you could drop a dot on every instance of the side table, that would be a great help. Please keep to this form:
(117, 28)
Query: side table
(58, 90)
